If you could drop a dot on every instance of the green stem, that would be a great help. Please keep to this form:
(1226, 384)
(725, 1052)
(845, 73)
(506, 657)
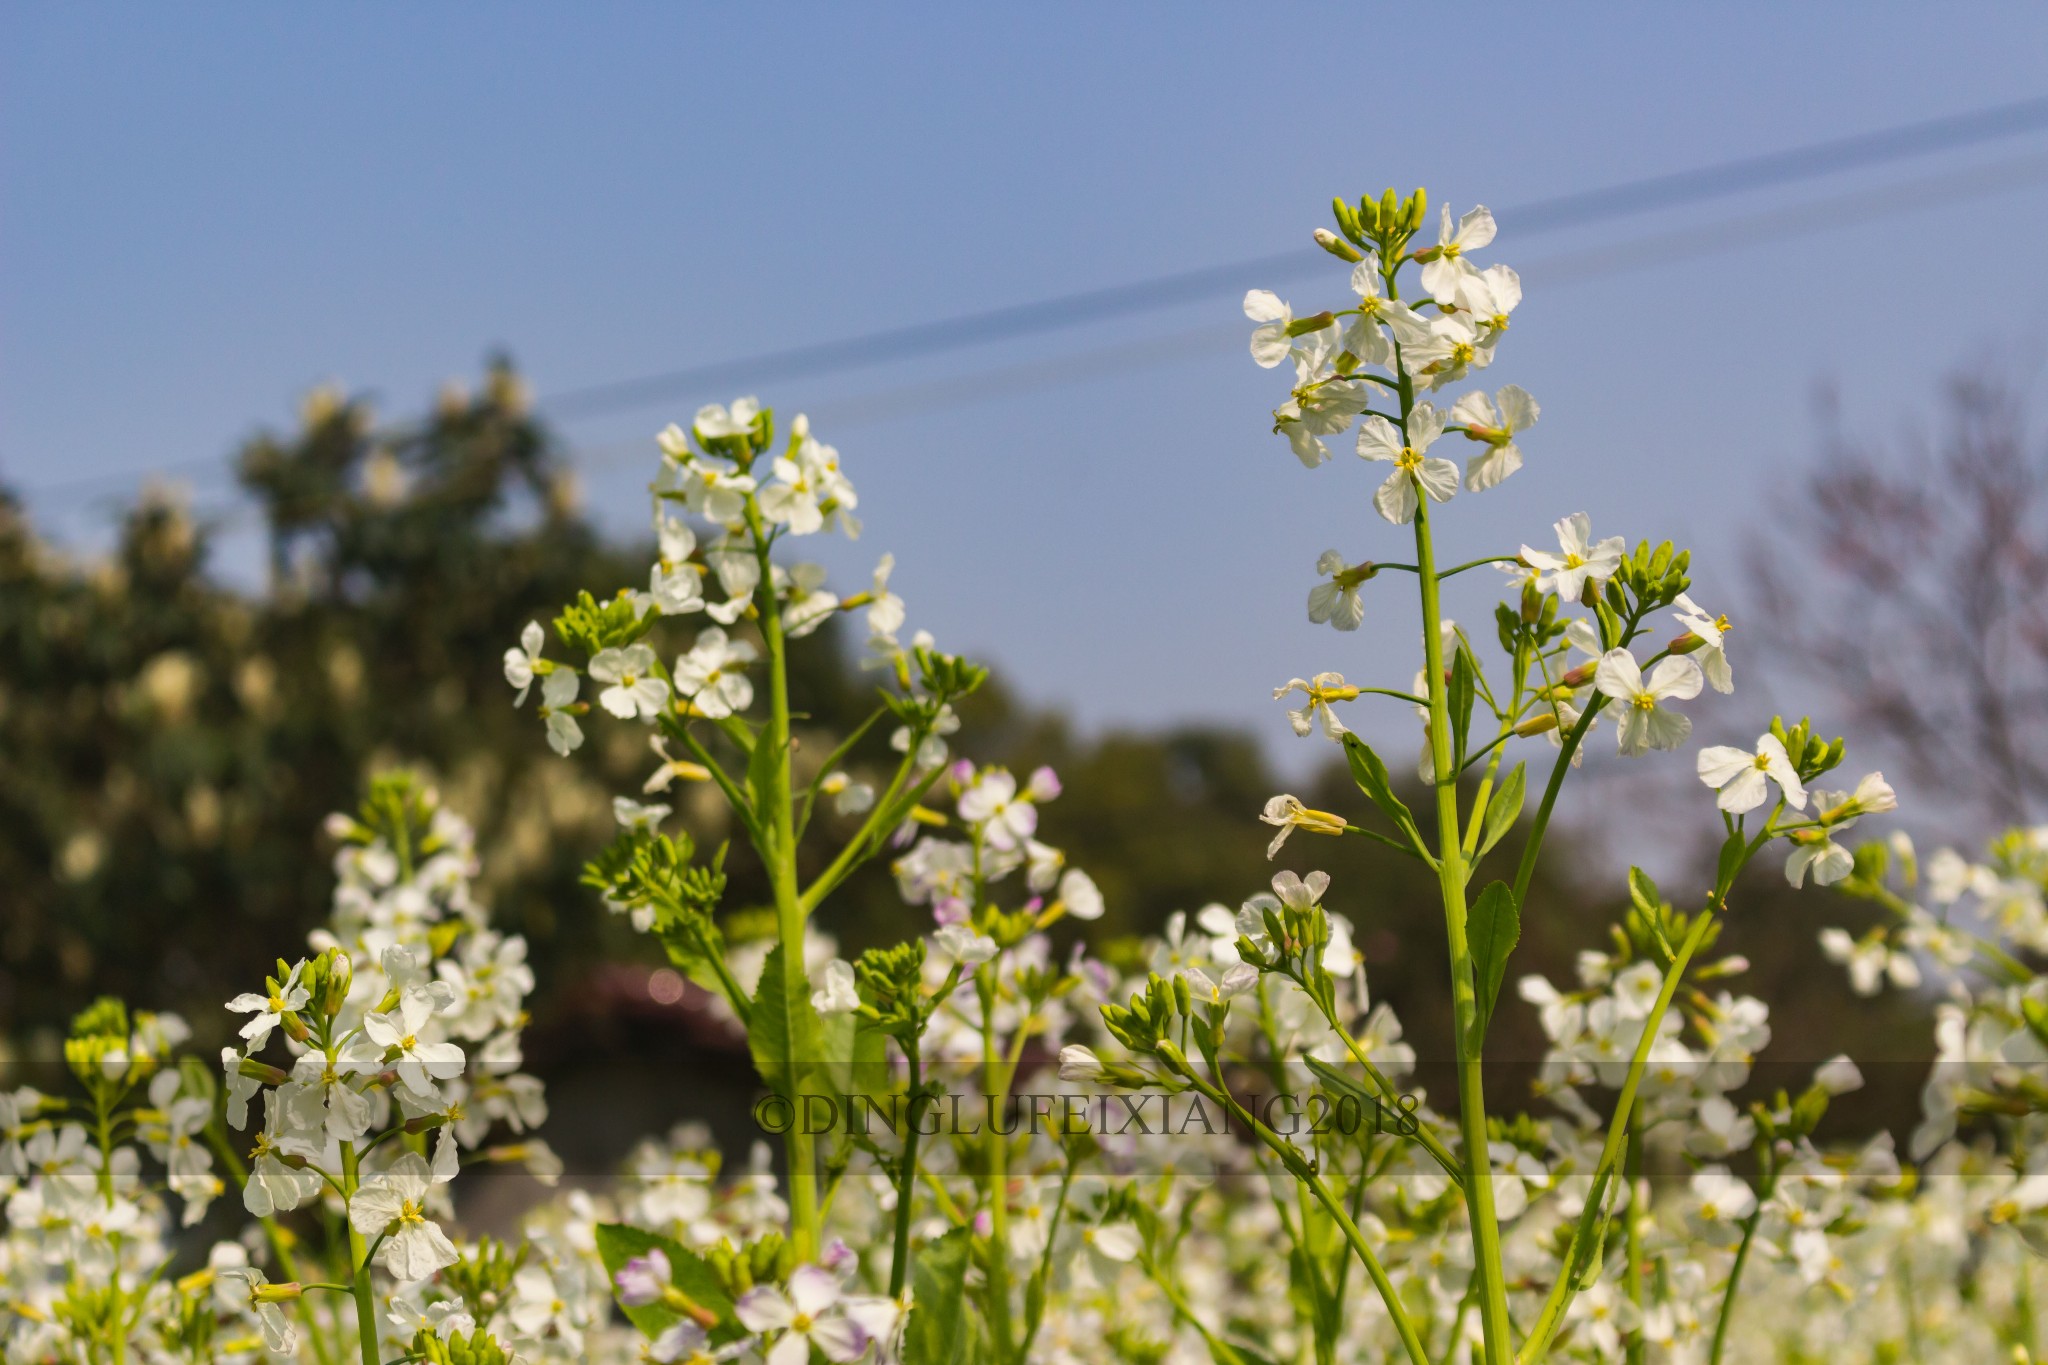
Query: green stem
(1451, 875)
(1566, 1288)
(996, 1149)
(906, 1178)
(1749, 1227)
(1219, 1349)
(359, 1264)
(1632, 1274)
(775, 818)
(1300, 1169)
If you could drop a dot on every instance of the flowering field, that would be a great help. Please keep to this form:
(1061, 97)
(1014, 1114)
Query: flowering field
(975, 1146)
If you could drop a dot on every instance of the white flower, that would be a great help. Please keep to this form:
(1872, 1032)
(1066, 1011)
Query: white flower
(270, 1007)
(715, 420)
(837, 995)
(1270, 342)
(557, 693)
(1813, 850)
(1712, 631)
(963, 945)
(521, 662)
(634, 692)
(885, 608)
(278, 1333)
(1079, 894)
(419, 1062)
(1577, 560)
(1336, 601)
(1289, 814)
(1078, 1063)
(1362, 334)
(709, 676)
(391, 1205)
(716, 491)
(793, 500)
(632, 814)
(808, 1315)
(1644, 723)
(1320, 690)
(1495, 423)
(1740, 776)
(1490, 295)
(1006, 820)
(1118, 1242)
(1838, 1076)
(1448, 268)
(1379, 439)
(1870, 961)
(810, 605)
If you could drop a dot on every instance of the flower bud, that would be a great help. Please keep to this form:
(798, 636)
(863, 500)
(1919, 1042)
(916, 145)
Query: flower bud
(278, 1293)
(1685, 644)
(1337, 246)
(1581, 675)
(1537, 725)
(1315, 322)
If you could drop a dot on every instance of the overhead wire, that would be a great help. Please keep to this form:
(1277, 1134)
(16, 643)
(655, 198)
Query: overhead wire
(1649, 194)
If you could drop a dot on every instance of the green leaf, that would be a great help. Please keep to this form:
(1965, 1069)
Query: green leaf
(1336, 1080)
(1462, 690)
(1644, 893)
(1503, 809)
(618, 1244)
(1371, 776)
(782, 1015)
(1491, 930)
(940, 1331)
(1732, 850)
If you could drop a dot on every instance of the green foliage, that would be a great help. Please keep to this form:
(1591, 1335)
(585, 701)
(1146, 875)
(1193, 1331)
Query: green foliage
(942, 1329)
(1493, 927)
(699, 1282)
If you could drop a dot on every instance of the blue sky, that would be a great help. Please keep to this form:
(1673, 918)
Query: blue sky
(205, 210)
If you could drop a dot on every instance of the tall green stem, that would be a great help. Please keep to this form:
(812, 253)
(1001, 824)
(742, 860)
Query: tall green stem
(906, 1176)
(996, 1082)
(359, 1264)
(776, 817)
(1451, 875)
(1632, 1274)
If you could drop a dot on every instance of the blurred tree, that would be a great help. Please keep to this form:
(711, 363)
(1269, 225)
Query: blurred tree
(169, 749)
(1909, 583)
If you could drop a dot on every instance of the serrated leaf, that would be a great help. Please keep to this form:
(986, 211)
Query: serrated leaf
(941, 1330)
(1492, 929)
(1503, 809)
(771, 1028)
(618, 1244)
(1371, 776)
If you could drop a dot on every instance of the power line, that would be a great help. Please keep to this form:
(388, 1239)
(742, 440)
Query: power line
(1096, 305)
(1087, 306)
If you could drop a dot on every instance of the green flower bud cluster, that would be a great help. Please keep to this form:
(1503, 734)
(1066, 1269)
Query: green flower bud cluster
(1811, 755)
(891, 986)
(591, 626)
(1383, 225)
(1143, 1024)
(1295, 941)
(741, 1268)
(644, 868)
(478, 1348)
(1652, 928)
(483, 1276)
